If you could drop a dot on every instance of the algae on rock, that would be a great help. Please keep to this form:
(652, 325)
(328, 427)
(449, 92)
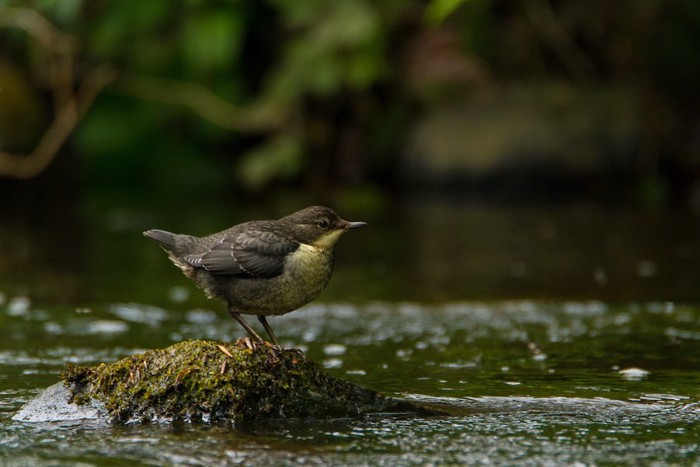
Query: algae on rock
(205, 381)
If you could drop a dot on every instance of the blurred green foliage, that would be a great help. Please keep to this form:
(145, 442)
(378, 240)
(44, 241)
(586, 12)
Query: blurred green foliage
(252, 55)
(325, 90)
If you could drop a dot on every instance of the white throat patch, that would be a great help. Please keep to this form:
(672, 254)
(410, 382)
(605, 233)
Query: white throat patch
(327, 240)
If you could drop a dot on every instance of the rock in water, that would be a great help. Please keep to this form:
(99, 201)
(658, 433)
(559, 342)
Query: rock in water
(204, 381)
(53, 405)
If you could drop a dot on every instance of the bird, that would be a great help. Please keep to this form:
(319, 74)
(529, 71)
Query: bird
(263, 267)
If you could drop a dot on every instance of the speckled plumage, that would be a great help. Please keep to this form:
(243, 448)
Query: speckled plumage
(261, 268)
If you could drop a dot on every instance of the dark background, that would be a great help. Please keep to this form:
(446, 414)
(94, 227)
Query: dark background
(498, 148)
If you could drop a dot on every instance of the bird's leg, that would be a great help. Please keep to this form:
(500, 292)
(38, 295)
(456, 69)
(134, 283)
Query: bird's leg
(237, 316)
(267, 327)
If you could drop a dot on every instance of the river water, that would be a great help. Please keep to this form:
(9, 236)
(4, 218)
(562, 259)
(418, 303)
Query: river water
(549, 335)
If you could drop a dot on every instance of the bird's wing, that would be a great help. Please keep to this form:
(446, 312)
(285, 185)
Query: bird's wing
(258, 253)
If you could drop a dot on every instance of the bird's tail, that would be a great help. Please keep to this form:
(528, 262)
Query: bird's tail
(164, 239)
(176, 245)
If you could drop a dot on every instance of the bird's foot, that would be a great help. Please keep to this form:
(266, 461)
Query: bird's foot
(252, 343)
(271, 345)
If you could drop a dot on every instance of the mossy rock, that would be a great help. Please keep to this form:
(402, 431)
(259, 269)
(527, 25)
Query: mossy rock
(217, 382)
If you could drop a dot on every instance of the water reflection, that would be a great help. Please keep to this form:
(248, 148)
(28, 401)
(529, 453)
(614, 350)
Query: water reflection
(426, 249)
(484, 251)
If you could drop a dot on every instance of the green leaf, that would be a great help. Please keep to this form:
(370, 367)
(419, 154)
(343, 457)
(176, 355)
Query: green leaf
(437, 11)
(278, 158)
(212, 40)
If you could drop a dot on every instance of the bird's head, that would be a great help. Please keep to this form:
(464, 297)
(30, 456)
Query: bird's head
(318, 226)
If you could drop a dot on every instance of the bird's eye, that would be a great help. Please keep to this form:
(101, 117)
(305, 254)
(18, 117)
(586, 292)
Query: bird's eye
(324, 224)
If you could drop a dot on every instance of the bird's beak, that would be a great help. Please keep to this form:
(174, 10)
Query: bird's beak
(354, 225)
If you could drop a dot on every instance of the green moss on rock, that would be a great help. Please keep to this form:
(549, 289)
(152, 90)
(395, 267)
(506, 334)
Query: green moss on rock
(207, 381)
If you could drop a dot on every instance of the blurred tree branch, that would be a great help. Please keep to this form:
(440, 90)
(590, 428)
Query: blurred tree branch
(559, 40)
(261, 118)
(70, 99)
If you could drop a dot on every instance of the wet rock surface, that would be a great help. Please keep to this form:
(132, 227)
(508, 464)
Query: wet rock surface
(205, 381)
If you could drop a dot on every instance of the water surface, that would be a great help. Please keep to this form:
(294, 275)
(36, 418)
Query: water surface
(522, 381)
(550, 335)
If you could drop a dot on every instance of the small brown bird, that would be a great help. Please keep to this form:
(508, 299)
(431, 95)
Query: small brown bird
(262, 268)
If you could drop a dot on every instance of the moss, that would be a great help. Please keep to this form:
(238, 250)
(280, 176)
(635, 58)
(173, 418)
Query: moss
(218, 382)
